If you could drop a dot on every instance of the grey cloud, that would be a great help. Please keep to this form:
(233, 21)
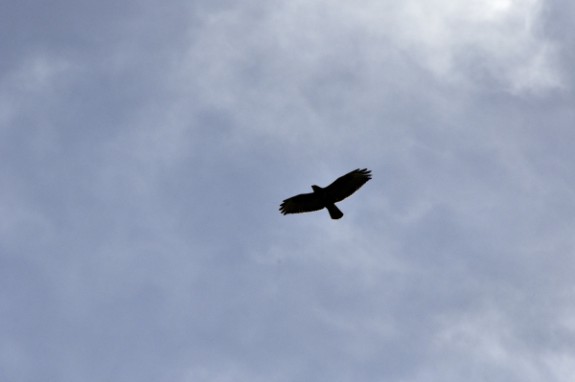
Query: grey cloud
(145, 149)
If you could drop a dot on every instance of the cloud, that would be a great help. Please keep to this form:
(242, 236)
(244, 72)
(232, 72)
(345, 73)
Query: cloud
(145, 152)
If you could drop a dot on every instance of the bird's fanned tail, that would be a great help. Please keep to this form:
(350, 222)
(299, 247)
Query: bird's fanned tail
(334, 212)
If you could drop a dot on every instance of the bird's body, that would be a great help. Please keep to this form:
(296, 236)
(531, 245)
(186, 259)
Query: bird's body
(326, 197)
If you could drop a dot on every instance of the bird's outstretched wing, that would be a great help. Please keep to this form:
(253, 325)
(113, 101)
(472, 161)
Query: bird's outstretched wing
(301, 203)
(347, 184)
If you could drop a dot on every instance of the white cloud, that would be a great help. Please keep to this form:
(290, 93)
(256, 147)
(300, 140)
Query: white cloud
(142, 175)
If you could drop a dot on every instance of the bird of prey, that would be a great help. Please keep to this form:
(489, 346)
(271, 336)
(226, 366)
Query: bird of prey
(326, 197)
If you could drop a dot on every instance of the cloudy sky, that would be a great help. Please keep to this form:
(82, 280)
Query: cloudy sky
(145, 148)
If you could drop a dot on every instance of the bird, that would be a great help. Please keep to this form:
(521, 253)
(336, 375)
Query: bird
(326, 197)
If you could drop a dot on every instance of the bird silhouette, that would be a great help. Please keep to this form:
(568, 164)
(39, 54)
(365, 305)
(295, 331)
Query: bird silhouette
(326, 197)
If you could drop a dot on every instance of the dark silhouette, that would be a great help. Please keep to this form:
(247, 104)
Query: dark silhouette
(326, 197)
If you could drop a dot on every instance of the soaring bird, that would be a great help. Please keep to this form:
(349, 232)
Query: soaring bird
(326, 197)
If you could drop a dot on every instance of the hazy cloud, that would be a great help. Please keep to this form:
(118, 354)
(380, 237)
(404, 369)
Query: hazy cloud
(145, 148)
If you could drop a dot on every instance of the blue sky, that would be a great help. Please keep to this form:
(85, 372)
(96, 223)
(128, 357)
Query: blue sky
(145, 149)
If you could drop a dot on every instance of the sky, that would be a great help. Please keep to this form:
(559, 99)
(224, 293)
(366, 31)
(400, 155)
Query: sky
(145, 148)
